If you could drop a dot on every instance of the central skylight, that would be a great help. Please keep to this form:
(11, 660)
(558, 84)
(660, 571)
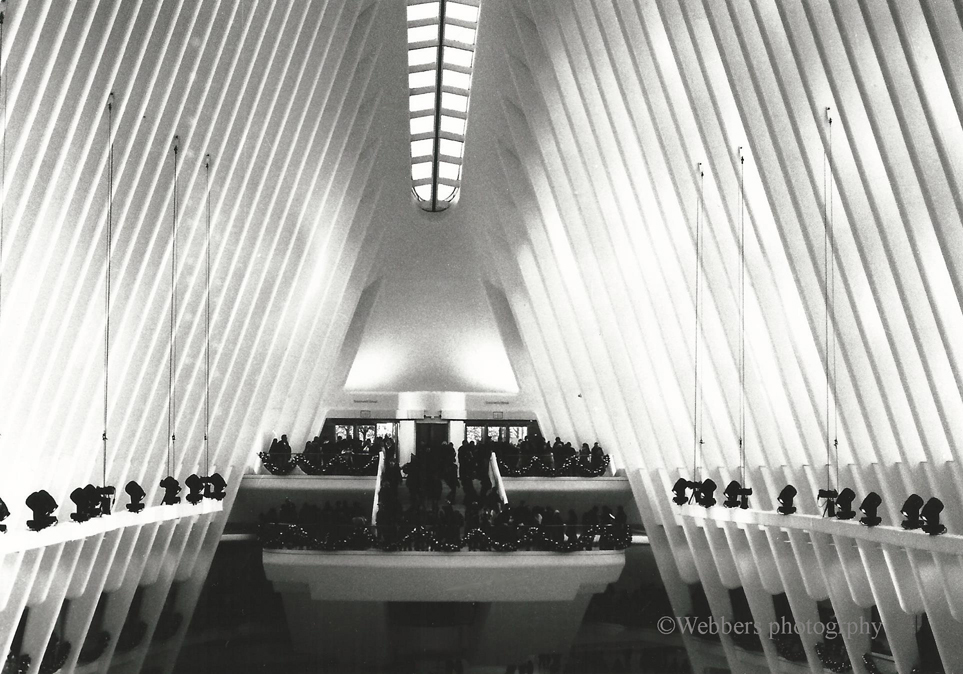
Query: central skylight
(441, 50)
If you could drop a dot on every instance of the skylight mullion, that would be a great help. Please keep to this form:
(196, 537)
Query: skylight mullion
(422, 67)
(461, 23)
(455, 44)
(423, 44)
(438, 93)
(448, 112)
(439, 80)
(429, 21)
(448, 135)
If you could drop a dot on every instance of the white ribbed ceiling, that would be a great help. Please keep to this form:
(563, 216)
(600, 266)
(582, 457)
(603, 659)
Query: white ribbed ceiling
(575, 231)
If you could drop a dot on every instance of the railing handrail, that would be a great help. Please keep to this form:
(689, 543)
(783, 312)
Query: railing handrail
(496, 477)
(377, 492)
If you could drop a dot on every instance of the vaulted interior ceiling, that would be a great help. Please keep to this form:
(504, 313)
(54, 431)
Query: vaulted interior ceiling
(566, 271)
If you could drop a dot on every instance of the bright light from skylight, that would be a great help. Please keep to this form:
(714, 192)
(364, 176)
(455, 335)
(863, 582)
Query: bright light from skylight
(439, 32)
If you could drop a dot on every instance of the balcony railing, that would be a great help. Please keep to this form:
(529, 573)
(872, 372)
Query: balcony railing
(437, 538)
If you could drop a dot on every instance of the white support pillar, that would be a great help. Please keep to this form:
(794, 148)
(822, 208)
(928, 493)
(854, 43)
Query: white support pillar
(406, 441)
(456, 432)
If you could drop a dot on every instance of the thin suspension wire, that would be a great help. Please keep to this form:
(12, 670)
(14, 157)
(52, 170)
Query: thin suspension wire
(3, 169)
(742, 318)
(826, 257)
(207, 338)
(3, 165)
(696, 397)
(832, 290)
(171, 403)
(110, 227)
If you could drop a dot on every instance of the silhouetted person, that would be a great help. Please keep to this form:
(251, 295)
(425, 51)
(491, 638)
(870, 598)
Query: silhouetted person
(466, 470)
(280, 447)
(584, 453)
(43, 506)
(597, 456)
(137, 495)
(288, 513)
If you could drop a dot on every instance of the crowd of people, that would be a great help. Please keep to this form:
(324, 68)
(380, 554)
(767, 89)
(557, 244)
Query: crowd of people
(553, 454)
(341, 456)
(640, 607)
(485, 525)
(341, 514)
(432, 468)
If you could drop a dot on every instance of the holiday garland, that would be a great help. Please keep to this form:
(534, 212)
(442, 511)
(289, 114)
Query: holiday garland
(833, 656)
(278, 464)
(790, 647)
(535, 466)
(16, 664)
(55, 656)
(341, 464)
(282, 536)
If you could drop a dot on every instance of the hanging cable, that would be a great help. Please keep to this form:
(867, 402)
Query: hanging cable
(171, 409)
(110, 226)
(832, 292)
(696, 398)
(742, 318)
(826, 265)
(3, 169)
(207, 332)
(3, 165)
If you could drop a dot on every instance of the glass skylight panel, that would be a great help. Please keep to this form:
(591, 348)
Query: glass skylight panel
(450, 78)
(460, 11)
(459, 34)
(421, 102)
(423, 10)
(453, 125)
(458, 57)
(422, 34)
(425, 78)
(442, 34)
(446, 193)
(421, 125)
(423, 148)
(451, 148)
(420, 57)
(450, 171)
(422, 170)
(454, 102)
